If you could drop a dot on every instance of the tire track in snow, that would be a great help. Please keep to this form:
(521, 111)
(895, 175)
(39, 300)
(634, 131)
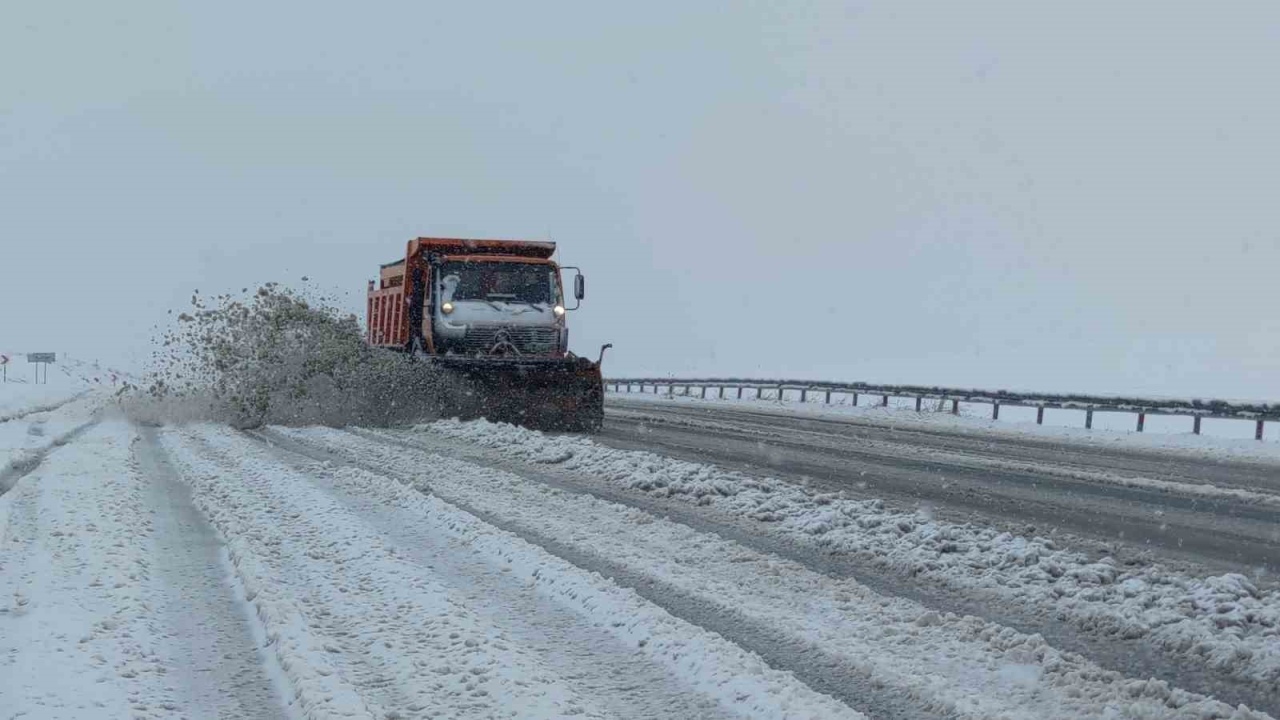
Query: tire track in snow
(1127, 656)
(838, 637)
(216, 661)
(628, 683)
(1217, 633)
(307, 541)
(843, 688)
(349, 649)
(77, 635)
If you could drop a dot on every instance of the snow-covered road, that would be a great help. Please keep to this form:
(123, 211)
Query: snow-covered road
(478, 570)
(1216, 511)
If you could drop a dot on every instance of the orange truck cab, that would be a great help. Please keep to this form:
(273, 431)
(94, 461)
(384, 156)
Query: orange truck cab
(492, 298)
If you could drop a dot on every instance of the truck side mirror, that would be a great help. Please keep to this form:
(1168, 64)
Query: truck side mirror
(579, 287)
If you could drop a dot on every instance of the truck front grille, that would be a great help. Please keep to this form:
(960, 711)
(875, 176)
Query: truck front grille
(481, 339)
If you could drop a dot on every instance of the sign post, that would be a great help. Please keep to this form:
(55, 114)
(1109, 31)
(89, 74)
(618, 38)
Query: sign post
(39, 359)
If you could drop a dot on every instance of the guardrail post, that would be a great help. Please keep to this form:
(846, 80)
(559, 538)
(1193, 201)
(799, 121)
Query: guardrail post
(1088, 419)
(671, 390)
(1257, 435)
(759, 393)
(739, 392)
(721, 397)
(918, 404)
(780, 391)
(1040, 415)
(804, 394)
(1195, 426)
(827, 401)
(884, 402)
(1142, 421)
(955, 407)
(704, 392)
(855, 399)
(995, 411)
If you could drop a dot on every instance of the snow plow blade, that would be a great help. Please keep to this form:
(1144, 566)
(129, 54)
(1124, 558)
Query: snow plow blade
(541, 393)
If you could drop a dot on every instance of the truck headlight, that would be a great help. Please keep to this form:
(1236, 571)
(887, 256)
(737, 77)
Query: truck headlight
(558, 310)
(446, 308)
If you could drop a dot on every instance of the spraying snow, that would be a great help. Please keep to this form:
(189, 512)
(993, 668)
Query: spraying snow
(275, 356)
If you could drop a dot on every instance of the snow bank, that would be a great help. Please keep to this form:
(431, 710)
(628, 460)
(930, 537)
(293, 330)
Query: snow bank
(1223, 621)
(948, 665)
(74, 635)
(23, 440)
(17, 400)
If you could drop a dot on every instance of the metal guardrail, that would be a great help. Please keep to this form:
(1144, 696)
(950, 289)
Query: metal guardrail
(1260, 413)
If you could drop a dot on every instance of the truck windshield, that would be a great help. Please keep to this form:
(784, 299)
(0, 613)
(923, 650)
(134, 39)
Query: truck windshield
(498, 282)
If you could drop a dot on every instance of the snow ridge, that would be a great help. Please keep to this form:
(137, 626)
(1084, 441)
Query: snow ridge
(363, 630)
(944, 664)
(1223, 621)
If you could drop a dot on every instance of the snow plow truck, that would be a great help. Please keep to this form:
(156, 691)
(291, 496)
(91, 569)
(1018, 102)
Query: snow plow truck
(488, 318)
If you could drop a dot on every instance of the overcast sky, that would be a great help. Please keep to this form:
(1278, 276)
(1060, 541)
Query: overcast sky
(1077, 196)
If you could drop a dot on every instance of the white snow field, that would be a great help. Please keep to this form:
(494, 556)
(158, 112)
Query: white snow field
(198, 571)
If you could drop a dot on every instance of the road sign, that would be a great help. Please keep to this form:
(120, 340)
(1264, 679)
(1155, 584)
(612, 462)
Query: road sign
(42, 357)
(4, 359)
